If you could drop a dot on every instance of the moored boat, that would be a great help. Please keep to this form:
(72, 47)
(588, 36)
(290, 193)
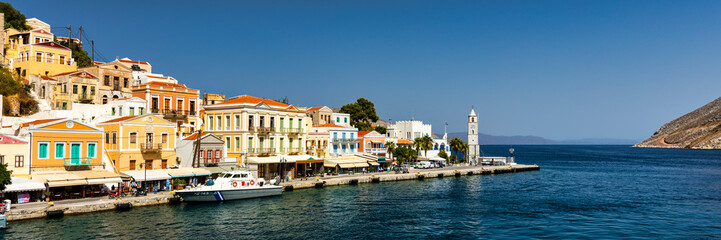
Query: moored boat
(230, 186)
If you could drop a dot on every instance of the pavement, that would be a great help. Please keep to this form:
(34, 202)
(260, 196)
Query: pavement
(80, 202)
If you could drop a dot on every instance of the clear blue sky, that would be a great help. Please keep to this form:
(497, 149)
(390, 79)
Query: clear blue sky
(557, 69)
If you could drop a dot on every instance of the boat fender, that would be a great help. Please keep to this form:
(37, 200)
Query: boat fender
(235, 184)
(55, 214)
(252, 182)
(319, 185)
(458, 174)
(421, 177)
(470, 173)
(354, 182)
(288, 188)
(440, 175)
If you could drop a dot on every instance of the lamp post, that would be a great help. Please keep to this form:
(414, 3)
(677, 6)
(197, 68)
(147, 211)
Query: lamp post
(512, 159)
(145, 173)
(282, 160)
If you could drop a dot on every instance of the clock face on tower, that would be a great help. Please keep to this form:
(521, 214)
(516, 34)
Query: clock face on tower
(473, 126)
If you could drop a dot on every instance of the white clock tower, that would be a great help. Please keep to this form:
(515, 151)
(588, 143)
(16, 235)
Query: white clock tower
(473, 148)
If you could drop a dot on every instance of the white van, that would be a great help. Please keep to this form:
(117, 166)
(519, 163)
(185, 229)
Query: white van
(424, 164)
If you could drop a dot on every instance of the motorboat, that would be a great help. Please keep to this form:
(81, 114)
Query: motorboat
(228, 186)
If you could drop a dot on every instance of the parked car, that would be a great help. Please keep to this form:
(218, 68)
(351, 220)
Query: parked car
(424, 165)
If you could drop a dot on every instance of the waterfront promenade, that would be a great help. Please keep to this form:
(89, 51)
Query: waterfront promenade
(414, 174)
(80, 206)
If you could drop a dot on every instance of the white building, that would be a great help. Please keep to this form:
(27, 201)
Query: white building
(409, 130)
(342, 139)
(128, 107)
(341, 119)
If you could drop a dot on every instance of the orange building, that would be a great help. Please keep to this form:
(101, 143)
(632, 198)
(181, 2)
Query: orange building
(67, 155)
(176, 102)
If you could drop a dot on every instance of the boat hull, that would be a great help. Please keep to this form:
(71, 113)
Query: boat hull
(228, 194)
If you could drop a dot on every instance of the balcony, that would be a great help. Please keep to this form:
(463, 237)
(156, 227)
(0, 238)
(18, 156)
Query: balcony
(151, 147)
(293, 130)
(295, 150)
(77, 162)
(154, 110)
(349, 140)
(265, 129)
(171, 113)
(85, 98)
(375, 150)
(261, 151)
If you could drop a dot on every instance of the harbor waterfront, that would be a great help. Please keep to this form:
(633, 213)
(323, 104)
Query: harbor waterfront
(73, 207)
(580, 192)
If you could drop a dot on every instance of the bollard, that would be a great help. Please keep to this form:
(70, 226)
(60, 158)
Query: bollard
(288, 188)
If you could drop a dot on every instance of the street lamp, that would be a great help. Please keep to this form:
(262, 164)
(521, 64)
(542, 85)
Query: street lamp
(282, 160)
(145, 173)
(512, 160)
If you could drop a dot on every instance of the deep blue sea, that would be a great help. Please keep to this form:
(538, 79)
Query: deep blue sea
(580, 192)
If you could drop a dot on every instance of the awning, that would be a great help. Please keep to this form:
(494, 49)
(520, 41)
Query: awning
(346, 165)
(214, 170)
(60, 179)
(152, 175)
(96, 177)
(200, 172)
(296, 158)
(374, 164)
(180, 172)
(24, 185)
(266, 160)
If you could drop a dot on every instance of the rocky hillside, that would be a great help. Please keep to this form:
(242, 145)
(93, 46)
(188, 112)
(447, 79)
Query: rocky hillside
(698, 129)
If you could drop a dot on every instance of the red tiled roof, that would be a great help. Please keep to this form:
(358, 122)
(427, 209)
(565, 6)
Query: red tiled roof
(252, 100)
(7, 139)
(194, 136)
(120, 119)
(74, 73)
(329, 125)
(47, 78)
(38, 122)
(164, 84)
(363, 133)
(98, 63)
(52, 45)
(315, 108)
(403, 141)
(164, 77)
(131, 61)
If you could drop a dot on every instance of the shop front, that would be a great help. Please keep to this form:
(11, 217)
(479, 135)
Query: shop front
(346, 165)
(272, 167)
(23, 190)
(77, 184)
(306, 166)
(149, 179)
(182, 177)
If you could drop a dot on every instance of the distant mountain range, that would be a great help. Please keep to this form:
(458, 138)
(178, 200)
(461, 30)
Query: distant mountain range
(536, 140)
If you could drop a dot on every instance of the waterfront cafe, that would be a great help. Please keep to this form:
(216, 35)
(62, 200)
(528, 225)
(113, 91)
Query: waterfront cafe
(348, 164)
(23, 190)
(307, 166)
(149, 178)
(189, 176)
(272, 166)
(77, 184)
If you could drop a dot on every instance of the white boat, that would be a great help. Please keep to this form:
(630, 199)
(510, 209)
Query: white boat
(230, 186)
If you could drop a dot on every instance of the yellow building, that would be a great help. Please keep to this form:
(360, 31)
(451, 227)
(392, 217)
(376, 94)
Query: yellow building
(253, 127)
(133, 142)
(34, 53)
(14, 153)
(77, 86)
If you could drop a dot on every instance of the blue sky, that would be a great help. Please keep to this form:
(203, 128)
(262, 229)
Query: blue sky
(557, 69)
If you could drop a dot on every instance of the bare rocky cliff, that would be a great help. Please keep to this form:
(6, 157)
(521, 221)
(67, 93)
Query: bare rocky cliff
(698, 129)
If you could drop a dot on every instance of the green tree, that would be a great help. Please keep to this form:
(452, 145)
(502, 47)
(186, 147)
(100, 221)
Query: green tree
(8, 85)
(362, 110)
(364, 126)
(456, 146)
(381, 129)
(443, 154)
(5, 176)
(11, 88)
(417, 144)
(13, 18)
(401, 154)
(283, 100)
(79, 54)
(390, 146)
(426, 144)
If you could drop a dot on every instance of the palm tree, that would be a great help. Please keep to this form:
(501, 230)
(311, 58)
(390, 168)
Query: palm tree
(390, 146)
(426, 144)
(417, 143)
(464, 149)
(456, 146)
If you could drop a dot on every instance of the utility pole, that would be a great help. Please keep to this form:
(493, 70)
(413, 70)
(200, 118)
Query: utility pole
(196, 153)
(70, 33)
(80, 37)
(92, 45)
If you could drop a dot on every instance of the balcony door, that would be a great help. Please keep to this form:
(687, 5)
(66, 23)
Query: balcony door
(75, 153)
(148, 140)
